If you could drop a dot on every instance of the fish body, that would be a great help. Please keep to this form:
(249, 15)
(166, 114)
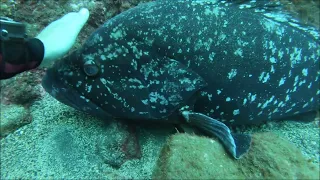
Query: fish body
(235, 65)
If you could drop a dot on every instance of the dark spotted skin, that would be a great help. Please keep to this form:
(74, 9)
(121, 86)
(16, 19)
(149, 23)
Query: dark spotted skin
(239, 66)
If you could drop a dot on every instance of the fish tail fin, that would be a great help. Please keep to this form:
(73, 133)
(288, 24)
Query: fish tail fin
(236, 144)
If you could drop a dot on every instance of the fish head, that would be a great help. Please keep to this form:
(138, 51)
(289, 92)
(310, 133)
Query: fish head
(68, 81)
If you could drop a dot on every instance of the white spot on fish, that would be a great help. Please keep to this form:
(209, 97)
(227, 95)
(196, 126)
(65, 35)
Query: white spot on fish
(88, 88)
(103, 57)
(225, 23)
(239, 52)
(117, 34)
(296, 80)
(267, 102)
(264, 77)
(287, 98)
(272, 69)
(288, 110)
(302, 82)
(154, 97)
(78, 83)
(305, 72)
(261, 76)
(280, 54)
(245, 101)
(275, 102)
(232, 73)
(273, 60)
(228, 99)
(145, 101)
(222, 37)
(214, 11)
(295, 57)
(253, 97)
(163, 111)
(236, 112)
(211, 56)
(282, 80)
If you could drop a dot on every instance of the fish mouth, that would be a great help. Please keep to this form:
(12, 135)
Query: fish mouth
(70, 96)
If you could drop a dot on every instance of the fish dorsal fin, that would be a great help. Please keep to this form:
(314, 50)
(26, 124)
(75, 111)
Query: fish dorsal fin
(275, 11)
(272, 10)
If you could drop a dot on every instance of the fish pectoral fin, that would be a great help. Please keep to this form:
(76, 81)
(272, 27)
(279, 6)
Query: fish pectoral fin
(243, 143)
(236, 144)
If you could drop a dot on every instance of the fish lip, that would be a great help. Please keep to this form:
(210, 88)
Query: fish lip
(70, 96)
(54, 87)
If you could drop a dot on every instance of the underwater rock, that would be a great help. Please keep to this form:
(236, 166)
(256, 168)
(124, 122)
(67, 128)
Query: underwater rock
(191, 157)
(120, 145)
(22, 89)
(275, 158)
(306, 11)
(12, 117)
(7, 8)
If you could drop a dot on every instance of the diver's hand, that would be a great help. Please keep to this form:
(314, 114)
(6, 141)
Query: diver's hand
(59, 36)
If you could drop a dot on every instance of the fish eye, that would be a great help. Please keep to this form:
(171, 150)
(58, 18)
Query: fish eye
(91, 68)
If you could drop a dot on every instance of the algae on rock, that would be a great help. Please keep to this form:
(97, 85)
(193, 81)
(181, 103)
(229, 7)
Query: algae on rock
(270, 157)
(193, 157)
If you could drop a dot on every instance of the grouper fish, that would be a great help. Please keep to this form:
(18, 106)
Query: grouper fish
(209, 64)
